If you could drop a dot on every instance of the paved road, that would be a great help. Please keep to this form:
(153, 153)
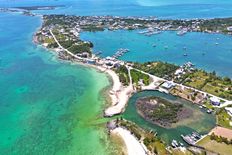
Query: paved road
(227, 102)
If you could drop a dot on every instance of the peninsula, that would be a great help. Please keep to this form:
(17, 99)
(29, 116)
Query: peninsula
(61, 33)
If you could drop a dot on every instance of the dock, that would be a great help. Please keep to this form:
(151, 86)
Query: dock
(120, 52)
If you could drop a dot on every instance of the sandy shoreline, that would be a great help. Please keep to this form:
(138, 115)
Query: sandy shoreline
(119, 97)
(118, 94)
(133, 146)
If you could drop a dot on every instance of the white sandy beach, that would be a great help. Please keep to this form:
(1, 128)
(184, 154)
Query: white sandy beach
(132, 144)
(119, 97)
(116, 82)
(122, 97)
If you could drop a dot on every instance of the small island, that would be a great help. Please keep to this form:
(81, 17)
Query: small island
(161, 112)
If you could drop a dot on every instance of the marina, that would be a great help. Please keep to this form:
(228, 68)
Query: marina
(198, 48)
(191, 139)
(120, 52)
(182, 32)
(150, 32)
(54, 102)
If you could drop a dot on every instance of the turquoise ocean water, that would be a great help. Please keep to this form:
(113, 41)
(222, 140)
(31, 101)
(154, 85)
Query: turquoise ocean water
(46, 106)
(52, 107)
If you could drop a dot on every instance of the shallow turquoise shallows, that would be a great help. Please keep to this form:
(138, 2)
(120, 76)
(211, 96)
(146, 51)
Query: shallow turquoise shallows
(46, 106)
(212, 52)
(52, 107)
(200, 121)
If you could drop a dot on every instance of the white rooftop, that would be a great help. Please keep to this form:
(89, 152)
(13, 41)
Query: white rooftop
(214, 99)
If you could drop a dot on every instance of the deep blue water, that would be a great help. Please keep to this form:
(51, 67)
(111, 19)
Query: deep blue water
(201, 48)
(44, 102)
(159, 8)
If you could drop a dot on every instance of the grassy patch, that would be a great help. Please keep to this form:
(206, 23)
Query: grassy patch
(214, 146)
(123, 75)
(136, 76)
(49, 40)
(80, 48)
(210, 83)
(160, 69)
(197, 80)
(219, 88)
(223, 118)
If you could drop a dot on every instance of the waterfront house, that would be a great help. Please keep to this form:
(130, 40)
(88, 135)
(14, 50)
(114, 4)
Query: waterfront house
(215, 101)
(91, 61)
(229, 28)
(84, 55)
(179, 71)
(168, 85)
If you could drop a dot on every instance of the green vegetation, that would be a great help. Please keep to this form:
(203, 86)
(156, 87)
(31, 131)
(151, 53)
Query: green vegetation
(210, 145)
(52, 19)
(80, 48)
(155, 144)
(53, 45)
(197, 79)
(150, 140)
(76, 46)
(217, 24)
(223, 118)
(49, 40)
(123, 75)
(66, 44)
(133, 128)
(160, 69)
(220, 139)
(211, 83)
(159, 111)
(136, 76)
(92, 28)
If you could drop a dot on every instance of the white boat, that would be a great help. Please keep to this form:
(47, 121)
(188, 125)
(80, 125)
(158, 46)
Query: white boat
(182, 32)
(174, 143)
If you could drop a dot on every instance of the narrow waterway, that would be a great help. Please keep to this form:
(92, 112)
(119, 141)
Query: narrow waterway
(200, 121)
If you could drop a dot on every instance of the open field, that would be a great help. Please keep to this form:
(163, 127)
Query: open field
(218, 88)
(198, 80)
(210, 145)
(136, 76)
(211, 83)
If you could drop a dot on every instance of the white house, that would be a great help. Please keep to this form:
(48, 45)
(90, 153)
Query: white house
(215, 101)
(168, 85)
(229, 28)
